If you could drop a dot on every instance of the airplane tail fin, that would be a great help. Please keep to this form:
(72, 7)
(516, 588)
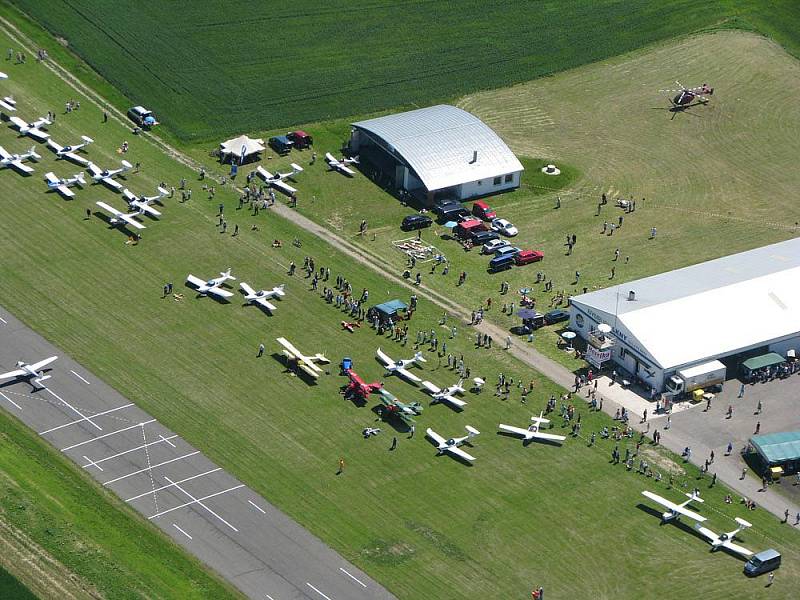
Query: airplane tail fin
(742, 523)
(419, 357)
(163, 191)
(695, 496)
(297, 168)
(472, 431)
(79, 178)
(87, 139)
(126, 164)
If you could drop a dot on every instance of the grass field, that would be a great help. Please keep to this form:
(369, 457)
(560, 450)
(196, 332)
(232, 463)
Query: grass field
(10, 587)
(424, 526)
(218, 68)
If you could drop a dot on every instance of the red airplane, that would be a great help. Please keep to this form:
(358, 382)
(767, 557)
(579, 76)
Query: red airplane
(358, 389)
(350, 326)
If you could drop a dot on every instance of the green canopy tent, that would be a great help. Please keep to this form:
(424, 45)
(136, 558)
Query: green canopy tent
(779, 450)
(759, 362)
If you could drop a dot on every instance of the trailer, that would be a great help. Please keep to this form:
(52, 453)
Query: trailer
(703, 376)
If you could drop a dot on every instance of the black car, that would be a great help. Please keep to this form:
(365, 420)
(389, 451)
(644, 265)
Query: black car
(556, 316)
(412, 222)
(481, 237)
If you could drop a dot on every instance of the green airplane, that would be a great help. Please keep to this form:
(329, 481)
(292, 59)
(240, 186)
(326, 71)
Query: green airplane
(392, 407)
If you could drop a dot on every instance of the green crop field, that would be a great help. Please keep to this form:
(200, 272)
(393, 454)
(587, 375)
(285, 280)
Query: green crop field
(424, 526)
(10, 587)
(212, 68)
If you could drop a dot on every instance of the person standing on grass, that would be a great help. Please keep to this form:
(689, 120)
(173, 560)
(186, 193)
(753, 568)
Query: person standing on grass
(394, 443)
(341, 466)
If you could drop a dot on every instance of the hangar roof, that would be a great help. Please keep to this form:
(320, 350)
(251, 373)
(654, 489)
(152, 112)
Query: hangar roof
(439, 143)
(712, 308)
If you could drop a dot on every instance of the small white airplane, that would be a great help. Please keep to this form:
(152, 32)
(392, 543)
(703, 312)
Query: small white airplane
(71, 152)
(62, 185)
(532, 432)
(8, 104)
(452, 445)
(106, 176)
(674, 511)
(212, 286)
(142, 203)
(16, 160)
(276, 180)
(399, 367)
(120, 218)
(32, 372)
(262, 296)
(341, 165)
(305, 363)
(446, 394)
(723, 540)
(32, 129)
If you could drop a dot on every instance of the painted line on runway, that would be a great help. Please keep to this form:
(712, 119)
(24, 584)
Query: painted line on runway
(118, 454)
(168, 439)
(161, 464)
(163, 487)
(269, 597)
(320, 593)
(91, 463)
(10, 400)
(105, 435)
(100, 414)
(150, 468)
(75, 410)
(198, 501)
(257, 507)
(176, 526)
(4, 321)
(351, 576)
(79, 377)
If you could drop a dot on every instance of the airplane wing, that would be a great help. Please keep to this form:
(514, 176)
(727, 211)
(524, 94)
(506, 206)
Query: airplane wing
(706, 532)
(218, 291)
(736, 548)
(436, 437)
(289, 347)
(330, 159)
(450, 399)
(19, 123)
(408, 375)
(109, 208)
(431, 387)
(37, 133)
(4, 153)
(54, 145)
(309, 368)
(263, 302)
(284, 187)
(76, 158)
(676, 507)
(11, 374)
(112, 183)
(547, 436)
(51, 177)
(131, 221)
(20, 166)
(459, 452)
(384, 357)
(195, 281)
(246, 288)
(8, 103)
(264, 174)
(65, 191)
(146, 208)
(94, 169)
(518, 430)
(43, 363)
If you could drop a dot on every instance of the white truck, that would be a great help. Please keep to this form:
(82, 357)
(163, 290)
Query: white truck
(694, 378)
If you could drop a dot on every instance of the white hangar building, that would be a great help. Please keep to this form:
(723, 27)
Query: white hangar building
(727, 309)
(436, 152)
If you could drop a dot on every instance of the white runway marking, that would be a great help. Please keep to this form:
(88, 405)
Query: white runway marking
(176, 526)
(198, 501)
(143, 446)
(4, 321)
(10, 400)
(79, 377)
(75, 410)
(168, 439)
(161, 464)
(150, 468)
(163, 487)
(91, 463)
(320, 593)
(257, 507)
(100, 414)
(269, 597)
(105, 435)
(350, 575)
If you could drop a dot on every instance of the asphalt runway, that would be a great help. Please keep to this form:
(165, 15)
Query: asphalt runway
(214, 516)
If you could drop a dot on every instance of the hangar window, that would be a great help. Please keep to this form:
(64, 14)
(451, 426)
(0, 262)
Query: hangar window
(498, 180)
(509, 178)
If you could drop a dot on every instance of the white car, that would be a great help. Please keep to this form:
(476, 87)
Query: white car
(492, 245)
(504, 227)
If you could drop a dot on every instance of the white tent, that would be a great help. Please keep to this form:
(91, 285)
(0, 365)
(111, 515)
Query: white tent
(241, 146)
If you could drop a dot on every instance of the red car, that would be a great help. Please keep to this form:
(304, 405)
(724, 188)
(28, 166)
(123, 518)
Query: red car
(528, 256)
(301, 139)
(483, 211)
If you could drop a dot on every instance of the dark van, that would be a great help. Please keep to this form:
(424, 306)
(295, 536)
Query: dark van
(452, 213)
(763, 562)
(412, 222)
(481, 237)
(501, 263)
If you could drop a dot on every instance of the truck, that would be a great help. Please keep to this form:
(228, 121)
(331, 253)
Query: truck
(704, 376)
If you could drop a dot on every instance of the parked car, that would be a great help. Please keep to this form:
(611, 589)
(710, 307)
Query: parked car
(492, 245)
(300, 139)
(281, 144)
(529, 325)
(556, 316)
(483, 211)
(507, 249)
(529, 256)
(412, 222)
(450, 212)
(501, 263)
(505, 227)
(142, 117)
(468, 227)
(482, 237)
(763, 562)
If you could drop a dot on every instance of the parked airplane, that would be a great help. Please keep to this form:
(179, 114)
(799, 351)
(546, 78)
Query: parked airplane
(8, 104)
(723, 540)
(261, 297)
(142, 203)
(452, 445)
(341, 165)
(71, 152)
(15, 161)
(392, 407)
(106, 176)
(305, 363)
(532, 432)
(32, 372)
(674, 511)
(62, 185)
(358, 389)
(446, 394)
(276, 180)
(32, 129)
(212, 286)
(120, 218)
(399, 367)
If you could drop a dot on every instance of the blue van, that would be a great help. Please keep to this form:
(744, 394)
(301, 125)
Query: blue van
(763, 562)
(501, 263)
